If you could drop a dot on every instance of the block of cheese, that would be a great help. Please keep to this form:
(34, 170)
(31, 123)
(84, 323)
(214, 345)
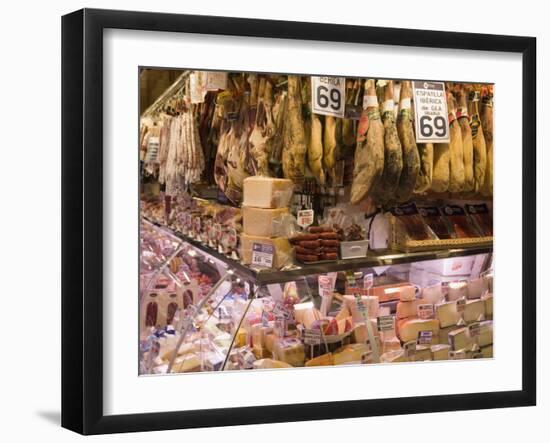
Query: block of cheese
(485, 337)
(408, 329)
(473, 310)
(406, 293)
(269, 342)
(310, 317)
(393, 357)
(267, 192)
(422, 353)
(409, 308)
(259, 332)
(460, 339)
(240, 338)
(343, 313)
(269, 363)
(440, 352)
(447, 314)
(457, 290)
(488, 299)
(360, 334)
(477, 287)
(282, 250)
(187, 363)
(391, 344)
(487, 351)
(355, 353)
(259, 221)
(370, 301)
(322, 360)
(289, 350)
(433, 294)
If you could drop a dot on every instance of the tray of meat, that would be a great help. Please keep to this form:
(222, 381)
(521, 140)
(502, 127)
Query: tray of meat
(482, 217)
(437, 223)
(461, 224)
(411, 223)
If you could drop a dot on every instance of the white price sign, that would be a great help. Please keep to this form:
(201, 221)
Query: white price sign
(216, 81)
(262, 255)
(197, 86)
(305, 217)
(430, 110)
(328, 96)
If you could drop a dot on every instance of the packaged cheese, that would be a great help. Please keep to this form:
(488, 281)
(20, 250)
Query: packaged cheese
(282, 251)
(487, 351)
(440, 352)
(187, 363)
(485, 337)
(447, 314)
(488, 299)
(289, 350)
(269, 363)
(267, 192)
(460, 339)
(259, 221)
(409, 308)
(477, 287)
(474, 310)
(393, 357)
(422, 353)
(355, 353)
(408, 329)
(322, 360)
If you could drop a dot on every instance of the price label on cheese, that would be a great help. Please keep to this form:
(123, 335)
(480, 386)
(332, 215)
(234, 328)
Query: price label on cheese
(474, 329)
(328, 96)
(325, 285)
(430, 110)
(385, 322)
(216, 81)
(461, 304)
(262, 255)
(424, 337)
(305, 217)
(425, 311)
(312, 336)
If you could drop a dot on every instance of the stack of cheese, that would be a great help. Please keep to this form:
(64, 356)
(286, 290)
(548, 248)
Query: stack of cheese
(265, 200)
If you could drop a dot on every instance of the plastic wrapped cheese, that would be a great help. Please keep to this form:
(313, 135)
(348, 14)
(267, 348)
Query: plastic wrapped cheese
(393, 357)
(322, 360)
(447, 314)
(409, 308)
(485, 337)
(355, 353)
(267, 192)
(269, 363)
(460, 339)
(282, 250)
(408, 329)
(289, 350)
(259, 221)
(474, 310)
(440, 352)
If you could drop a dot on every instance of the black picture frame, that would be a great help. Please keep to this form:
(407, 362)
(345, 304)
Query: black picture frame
(82, 215)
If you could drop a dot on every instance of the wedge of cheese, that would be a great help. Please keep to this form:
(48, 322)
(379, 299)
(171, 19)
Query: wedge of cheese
(444, 333)
(187, 363)
(267, 192)
(460, 339)
(269, 363)
(477, 287)
(355, 353)
(393, 357)
(391, 344)
(263, 222)
(440, 352)
(370, 301)
(322, 360)
(422, 353)
(485, 337)
(407, 309)
(488, 299)
(282, 250)
(447, 314)
(289, 350)
(474, 310)
(408, 329)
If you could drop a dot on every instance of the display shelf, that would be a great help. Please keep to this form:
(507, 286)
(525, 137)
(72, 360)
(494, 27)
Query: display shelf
(373, 259)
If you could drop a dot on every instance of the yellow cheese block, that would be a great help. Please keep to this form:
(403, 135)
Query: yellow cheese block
(488, 299)
(282, 250)
(407, 309)
(393, 357)
(447, 314)
(269, 342)
(485, 337)
(422, 353)
(408, 329)
(391, 344)
(473, 310)
(444, 333)
(269, 363)
(240, 338)
(310, 316)
(267, 192)
(351, 354)
(440, 352)
(487, 351)
(460, 339)
(371, 302)
(187, 363)
(289, 350)
(322, 360)
(343, 313)
(260, 221)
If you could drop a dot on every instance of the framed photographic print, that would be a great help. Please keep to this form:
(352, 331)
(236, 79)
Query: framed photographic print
(270, 221)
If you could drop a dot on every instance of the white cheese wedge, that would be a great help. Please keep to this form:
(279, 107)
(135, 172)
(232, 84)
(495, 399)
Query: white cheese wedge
(485, 337)
(282, 250)
(408, 329)
(260, 221)
(447, 314)
(355, 353)
(457, 290)
(473, 310)
(267, 192)
(409, 308)
(477, 287)
(460, 339)
(440, 352)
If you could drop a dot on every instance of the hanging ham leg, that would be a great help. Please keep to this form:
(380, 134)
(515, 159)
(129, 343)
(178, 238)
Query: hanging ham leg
(467, 143)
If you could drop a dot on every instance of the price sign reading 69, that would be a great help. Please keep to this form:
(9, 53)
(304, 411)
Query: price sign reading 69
(430, 109)
(328, 96)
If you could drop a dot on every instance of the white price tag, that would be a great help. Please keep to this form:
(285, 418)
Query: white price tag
(197, 86)
(262, 255)
(312, 336)
(153, 145)
(368, 281)
(305, 217)
(326, 285)
(424, 337)
(385, 322)
(328, 96)
(430, 110)
(425, 311)
(216, 80)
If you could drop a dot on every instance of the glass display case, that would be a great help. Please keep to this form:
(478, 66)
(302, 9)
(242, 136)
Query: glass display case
(202, 310)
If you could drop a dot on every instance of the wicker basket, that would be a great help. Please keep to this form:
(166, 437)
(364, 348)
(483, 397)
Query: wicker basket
(400, 241)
